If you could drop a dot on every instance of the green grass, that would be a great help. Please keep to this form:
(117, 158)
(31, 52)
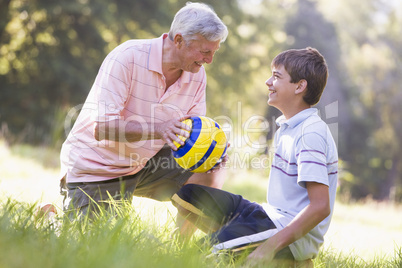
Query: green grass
(107, 241)
(361, 235)
(125, 240)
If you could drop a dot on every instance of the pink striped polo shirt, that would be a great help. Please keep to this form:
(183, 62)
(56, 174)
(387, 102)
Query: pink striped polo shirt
(129, 86)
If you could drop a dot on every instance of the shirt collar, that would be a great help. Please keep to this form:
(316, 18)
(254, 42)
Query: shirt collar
(296, 119)
(155, 58)
(155, 54)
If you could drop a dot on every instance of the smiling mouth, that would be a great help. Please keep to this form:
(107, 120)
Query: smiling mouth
(199, 64)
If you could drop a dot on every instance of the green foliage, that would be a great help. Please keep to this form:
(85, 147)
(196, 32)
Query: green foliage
(332, 259)
(118, 239)
(106, 241)
(370, 63)
(50, 52)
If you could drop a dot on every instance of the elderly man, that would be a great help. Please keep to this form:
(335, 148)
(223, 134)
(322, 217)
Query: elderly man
(120, 144)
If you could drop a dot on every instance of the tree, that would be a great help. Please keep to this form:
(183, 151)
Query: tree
(371, 57)
(52, 50)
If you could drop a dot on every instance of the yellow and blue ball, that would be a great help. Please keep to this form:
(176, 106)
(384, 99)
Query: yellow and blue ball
(205, 147)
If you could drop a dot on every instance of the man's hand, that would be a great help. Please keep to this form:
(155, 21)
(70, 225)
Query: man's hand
(169, 130)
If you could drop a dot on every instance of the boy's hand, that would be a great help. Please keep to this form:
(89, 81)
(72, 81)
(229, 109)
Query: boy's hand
(222, 164)
(264, 253)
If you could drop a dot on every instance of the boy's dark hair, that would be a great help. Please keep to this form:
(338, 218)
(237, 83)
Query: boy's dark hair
(307, 64)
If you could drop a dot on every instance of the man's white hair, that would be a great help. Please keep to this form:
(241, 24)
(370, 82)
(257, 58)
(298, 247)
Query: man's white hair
(198, 18)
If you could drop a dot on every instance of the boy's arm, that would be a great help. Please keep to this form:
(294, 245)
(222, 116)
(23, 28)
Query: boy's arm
(304, 222)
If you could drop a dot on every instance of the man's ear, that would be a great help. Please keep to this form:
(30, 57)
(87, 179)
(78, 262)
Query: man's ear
(178, 40)
(301, 86)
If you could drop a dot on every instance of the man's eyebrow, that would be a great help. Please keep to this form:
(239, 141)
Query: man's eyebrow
(209, 50)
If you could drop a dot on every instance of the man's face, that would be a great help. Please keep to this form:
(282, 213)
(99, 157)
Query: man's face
(194, 53)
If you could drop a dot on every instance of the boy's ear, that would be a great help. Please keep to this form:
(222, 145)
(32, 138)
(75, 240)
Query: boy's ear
(301, 86)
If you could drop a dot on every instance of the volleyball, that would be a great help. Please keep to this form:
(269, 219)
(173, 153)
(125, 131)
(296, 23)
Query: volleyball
(205, 147)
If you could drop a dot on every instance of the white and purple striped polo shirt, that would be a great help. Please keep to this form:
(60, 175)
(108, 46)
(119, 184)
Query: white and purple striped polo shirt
(304, 151)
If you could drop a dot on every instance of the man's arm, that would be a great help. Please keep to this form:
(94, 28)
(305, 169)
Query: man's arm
(304, 222)
(119, 130)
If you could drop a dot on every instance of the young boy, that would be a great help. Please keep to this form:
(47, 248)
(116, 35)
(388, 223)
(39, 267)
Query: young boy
(303, 176)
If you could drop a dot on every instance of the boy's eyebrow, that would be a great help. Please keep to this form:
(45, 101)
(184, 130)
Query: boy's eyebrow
(276, 73)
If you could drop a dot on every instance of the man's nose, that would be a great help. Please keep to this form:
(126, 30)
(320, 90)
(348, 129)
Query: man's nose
(208, 59)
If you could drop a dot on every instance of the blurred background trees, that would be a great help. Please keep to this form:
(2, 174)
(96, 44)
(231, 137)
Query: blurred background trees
(50, 52)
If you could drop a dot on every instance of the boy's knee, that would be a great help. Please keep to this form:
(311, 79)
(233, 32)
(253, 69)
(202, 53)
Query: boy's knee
(183, 200)
(186, 193)
(212, 179)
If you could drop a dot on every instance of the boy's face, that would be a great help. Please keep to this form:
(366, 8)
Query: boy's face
(281, 90)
